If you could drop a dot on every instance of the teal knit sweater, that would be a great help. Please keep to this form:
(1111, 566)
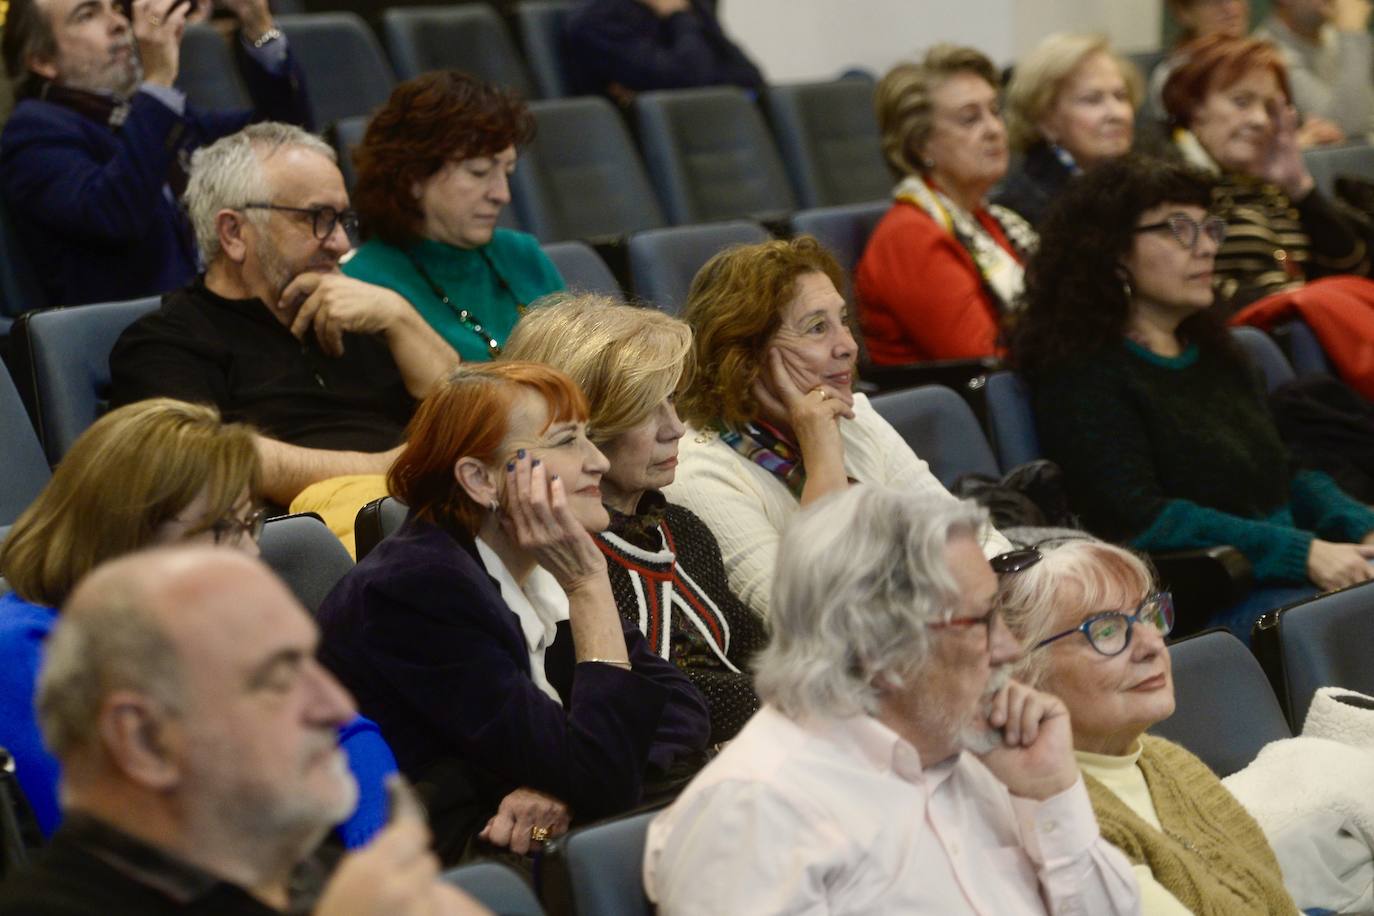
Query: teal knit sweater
(1179, 453)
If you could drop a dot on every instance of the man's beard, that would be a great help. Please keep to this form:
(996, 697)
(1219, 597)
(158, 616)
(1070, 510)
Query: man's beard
(120, 76)
(977, 736)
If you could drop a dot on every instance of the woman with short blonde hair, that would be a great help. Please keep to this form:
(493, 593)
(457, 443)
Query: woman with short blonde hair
(1071, 104)
(665, 565)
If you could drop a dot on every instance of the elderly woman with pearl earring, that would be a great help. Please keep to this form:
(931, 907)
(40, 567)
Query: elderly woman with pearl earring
(943, 266)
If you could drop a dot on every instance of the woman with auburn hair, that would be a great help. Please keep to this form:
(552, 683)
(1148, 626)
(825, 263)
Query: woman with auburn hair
(774, 421)
(433, 174)
(943, 265)
(1232, 109)
(483, 635)
(1093, 621)
(1070, 105)
(664, 563)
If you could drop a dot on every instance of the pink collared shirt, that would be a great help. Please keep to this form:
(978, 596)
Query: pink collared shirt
(838, 816)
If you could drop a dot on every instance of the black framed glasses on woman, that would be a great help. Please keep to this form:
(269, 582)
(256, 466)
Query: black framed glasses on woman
(1110, 632)
(1186, 230)
(232, 530)
(323, 219)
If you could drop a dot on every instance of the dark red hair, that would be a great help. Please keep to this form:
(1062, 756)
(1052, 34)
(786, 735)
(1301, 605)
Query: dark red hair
(1214, 63)
(466, 416)
(428, 121)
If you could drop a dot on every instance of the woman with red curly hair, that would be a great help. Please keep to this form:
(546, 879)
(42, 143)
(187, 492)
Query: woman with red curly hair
(433, 174)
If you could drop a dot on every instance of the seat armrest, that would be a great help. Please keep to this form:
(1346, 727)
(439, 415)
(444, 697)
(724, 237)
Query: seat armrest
(952, 373)
(1203, 582)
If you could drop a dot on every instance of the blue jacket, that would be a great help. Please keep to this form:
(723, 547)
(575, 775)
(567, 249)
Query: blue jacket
(89, 200)
(24, 627)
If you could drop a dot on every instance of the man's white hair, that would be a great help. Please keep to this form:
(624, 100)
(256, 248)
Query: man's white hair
(859, 578)
(228, 174)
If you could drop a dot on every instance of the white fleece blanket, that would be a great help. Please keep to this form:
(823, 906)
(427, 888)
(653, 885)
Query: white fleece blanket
(1314, 798)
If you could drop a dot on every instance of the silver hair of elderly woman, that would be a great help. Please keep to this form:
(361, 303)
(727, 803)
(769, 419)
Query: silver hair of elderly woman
(859, 578)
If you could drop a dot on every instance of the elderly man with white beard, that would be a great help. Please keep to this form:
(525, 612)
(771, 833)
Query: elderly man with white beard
(895, 767)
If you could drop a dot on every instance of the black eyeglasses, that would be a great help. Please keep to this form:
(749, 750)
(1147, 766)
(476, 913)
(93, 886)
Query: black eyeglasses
(1186, 229)
(322, 219)
(1110, 632)
(232, 530)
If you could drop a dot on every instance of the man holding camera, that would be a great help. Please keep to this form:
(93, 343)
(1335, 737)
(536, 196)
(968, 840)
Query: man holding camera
(93, 158)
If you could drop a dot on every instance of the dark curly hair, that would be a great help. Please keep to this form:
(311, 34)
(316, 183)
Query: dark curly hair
(428, 121)
(1075, 297)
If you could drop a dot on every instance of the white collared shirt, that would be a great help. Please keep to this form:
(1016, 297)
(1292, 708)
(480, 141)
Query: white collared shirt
(839, 816)
(540, 604)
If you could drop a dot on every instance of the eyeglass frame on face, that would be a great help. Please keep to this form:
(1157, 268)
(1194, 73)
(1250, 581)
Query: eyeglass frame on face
(347, 216)
(1213, 226)
(966, 623)
(232, 530)
(1161, 601)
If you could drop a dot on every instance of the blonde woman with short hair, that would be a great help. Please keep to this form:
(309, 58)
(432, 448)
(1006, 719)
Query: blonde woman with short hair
(665, 565)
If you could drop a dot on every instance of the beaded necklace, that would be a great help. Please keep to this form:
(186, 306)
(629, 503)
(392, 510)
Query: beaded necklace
(468, 318)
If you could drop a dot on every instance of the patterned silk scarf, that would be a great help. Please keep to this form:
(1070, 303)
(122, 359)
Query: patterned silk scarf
(766, 448)
(1003, 274)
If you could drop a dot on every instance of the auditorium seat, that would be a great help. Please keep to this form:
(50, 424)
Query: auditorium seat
(306, 555)
(348, 133)
(581, 177)
(1305, 352)
(828, 135)
(1266, 356)
(62, 358)
(375, 521)
(345, 70)
(664, 261)
(207, 72)
(19, 286)
(497, 887)
(583, 270)
(843, 230)
(940, 428)
(597, 869)
(467, 36)
(1332, 162)
(710, 156)
(541, 27)
(25, 467)
(1226, 711)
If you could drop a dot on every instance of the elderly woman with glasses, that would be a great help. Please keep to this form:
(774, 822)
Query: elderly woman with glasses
(1159, 423)
(1093, 625)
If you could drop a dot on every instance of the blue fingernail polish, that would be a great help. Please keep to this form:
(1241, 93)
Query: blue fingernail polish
(534, 463)
(520, 453)
(510, 465)
(553, 477)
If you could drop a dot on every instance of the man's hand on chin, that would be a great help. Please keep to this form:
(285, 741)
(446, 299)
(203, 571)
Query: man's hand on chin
(332, 304)
(1035, 758)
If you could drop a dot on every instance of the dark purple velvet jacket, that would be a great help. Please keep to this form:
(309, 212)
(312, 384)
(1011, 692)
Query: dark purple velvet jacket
(419, 632)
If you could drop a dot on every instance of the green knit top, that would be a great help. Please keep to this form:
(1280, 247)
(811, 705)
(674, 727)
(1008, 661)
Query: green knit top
(1176, 453)
(492, 283)
(1210, 854)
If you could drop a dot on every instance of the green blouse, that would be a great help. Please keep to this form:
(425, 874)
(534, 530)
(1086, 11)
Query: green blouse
(472, 278)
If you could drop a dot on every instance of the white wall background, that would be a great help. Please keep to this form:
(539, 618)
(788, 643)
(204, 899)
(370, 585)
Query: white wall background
(816, 39)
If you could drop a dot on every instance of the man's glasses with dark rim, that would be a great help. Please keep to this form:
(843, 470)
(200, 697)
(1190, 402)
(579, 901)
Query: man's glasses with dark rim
(232, 530)
(1186, 230)
(323, 219)
(1109, 632)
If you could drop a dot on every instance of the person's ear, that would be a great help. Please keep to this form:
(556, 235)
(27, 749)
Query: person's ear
(141, 739)
(230, 226)
(45, 67)
(478, 481)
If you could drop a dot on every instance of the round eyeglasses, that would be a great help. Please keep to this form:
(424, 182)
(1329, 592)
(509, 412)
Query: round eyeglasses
(1110, 632)
(1186, 230)
(322, 219)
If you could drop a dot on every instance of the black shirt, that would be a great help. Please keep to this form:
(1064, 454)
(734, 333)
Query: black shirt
(92, 869)
(234, 354)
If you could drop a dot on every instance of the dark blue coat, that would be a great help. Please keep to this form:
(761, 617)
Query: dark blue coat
(88, 200)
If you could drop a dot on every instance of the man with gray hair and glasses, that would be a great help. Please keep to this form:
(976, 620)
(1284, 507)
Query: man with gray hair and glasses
(894, 766)
(200, 760)
(328, 368)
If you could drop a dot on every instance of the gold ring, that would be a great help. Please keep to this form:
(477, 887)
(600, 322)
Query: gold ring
(824, 394)
(155, 21)
(539, 834)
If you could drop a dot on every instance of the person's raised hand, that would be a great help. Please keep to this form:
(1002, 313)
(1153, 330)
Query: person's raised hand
(536, 516)
(1284, 165)
(1035, 758)
(253, 15)
(331, 304)
(665, 8)
(1319, 131)
(521, 816)
(1331, 566)
(157, 26)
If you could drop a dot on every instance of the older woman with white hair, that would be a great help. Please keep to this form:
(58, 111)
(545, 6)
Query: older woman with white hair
(1070, 105)
(665, 565)
(894, 767)
(1093, 623)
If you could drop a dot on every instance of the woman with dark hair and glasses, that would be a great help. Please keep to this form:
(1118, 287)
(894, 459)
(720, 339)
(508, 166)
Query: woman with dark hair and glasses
(1159, 423)
(1093, 622)
(433, 176)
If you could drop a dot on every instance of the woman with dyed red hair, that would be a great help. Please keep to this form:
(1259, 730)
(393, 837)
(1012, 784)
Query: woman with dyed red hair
(1231, 107)
(483, 636)
(433, 176)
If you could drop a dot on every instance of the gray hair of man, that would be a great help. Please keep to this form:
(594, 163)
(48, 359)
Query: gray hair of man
(118, 645)
(1081, 575)
(859, 578)
(228, 174)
